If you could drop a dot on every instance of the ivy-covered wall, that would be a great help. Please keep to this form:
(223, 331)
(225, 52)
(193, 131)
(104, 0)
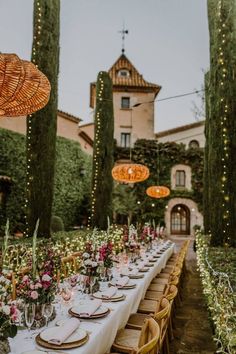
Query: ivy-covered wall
(160, 158)
(71, 190)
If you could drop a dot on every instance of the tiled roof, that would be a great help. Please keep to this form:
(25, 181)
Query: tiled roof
(69, 116)
(135, 79)
(180, 129)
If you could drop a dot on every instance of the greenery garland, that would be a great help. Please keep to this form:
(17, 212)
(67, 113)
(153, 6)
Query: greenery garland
(220, 296)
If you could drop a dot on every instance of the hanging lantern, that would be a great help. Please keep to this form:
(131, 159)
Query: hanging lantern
(158, 191)
(130, 173)
(23, 88)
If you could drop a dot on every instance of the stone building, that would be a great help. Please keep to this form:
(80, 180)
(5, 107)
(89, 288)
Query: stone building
(133, 99)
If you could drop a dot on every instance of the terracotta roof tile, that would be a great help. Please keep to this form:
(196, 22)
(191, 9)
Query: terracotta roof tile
(135, 79)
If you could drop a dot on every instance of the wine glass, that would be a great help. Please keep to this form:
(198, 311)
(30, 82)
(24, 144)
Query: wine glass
(66, 295)
(29, 316)
(83, 282)
(92, 283)
(47, 310)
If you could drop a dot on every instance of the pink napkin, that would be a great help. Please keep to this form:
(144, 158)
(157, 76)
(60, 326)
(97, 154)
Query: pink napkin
(63, 332)
(107, 294)
(122, 281)
(88, 308)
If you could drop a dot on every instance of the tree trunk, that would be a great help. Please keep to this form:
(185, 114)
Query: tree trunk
(103, 151)
(220, 187)
(42, 125)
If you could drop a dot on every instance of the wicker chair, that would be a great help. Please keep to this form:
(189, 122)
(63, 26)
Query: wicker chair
(134, 341)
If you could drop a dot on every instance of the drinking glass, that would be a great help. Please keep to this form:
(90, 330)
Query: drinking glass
(29, 316)
(47, 310)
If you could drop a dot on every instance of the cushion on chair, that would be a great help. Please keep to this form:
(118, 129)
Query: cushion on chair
(136, 320)
(126, 340)
(148, 306)
(153, 295)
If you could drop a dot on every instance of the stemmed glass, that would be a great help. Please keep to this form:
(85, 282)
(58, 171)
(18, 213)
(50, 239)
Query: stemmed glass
(83, 282)
(47, 311)
(66, 295)
(29, 316)
(92, 283)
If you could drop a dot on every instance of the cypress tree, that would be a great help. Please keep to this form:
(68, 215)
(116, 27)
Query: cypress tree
(42, 125)
(221, 124)
(103, 151)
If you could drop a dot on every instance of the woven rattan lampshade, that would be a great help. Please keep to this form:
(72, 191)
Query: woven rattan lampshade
(130, 173)
(23, 88)
(158, 191)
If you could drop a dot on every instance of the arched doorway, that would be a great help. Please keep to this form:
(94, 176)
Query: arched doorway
(180, 220)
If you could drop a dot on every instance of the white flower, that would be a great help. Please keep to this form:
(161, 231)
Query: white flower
(88, 262)
(6, 309)
(86, 255)
(94, 264)
(46, 277)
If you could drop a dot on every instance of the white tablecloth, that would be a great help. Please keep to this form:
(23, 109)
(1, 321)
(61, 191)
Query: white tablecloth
(102, 331)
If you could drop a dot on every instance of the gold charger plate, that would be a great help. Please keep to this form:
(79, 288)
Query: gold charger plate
(71, 345)
(144, 270)
(150, 265)
(124, 287)
(100, 315)
(138, 276)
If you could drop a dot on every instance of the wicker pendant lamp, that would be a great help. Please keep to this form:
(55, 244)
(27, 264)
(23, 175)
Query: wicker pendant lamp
(23, 88)
(130, 172)
(158, 191)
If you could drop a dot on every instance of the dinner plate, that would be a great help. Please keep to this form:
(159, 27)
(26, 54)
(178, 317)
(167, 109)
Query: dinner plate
(114, 298)
(78, 335)
(129, 285)
(41, 352)
(137, 276)
(100, 312)
(150, 265)
(144, 270)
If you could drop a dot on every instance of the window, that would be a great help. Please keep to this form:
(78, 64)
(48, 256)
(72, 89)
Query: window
(125, 140)
(125, 102)
(180, 220)
(194, 144)
(180, 178)
(123, 73)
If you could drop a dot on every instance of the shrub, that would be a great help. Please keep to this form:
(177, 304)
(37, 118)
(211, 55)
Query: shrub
(57, 224)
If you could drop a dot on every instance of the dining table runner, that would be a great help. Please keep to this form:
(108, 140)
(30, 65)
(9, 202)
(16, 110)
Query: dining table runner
(102, 331)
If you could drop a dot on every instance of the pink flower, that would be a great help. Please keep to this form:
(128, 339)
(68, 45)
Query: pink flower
(32, 286)
(34, 295)
(38, 286)
(25, 278)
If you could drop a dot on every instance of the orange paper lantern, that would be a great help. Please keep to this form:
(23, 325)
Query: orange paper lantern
(130, 173)
(23, 88)
(158, 191)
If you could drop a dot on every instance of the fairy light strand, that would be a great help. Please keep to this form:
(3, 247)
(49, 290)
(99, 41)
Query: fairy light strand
(36, 44)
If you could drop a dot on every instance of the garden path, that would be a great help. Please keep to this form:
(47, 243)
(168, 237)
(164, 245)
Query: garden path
(192, 328)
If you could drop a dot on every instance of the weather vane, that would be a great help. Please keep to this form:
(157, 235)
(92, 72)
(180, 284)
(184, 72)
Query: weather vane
(123, 33)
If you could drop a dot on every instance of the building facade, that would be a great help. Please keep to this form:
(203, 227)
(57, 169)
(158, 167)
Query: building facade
(133, 99)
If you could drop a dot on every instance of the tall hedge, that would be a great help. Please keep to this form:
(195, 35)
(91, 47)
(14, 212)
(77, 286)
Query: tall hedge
(170, 154)
(42, 126)
(72, 188)
(220, 189)
(103, 159)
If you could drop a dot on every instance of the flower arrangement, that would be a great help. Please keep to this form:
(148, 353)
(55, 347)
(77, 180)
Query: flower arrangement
(40, 288)
(8, 310)
(90, 263)
(146, 235)
(130, 239)
(106, 254)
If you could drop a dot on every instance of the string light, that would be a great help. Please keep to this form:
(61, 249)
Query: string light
(96, 151)
(36, 43)
(220, 298)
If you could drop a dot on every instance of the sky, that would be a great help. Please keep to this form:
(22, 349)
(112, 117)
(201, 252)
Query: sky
(168, 43)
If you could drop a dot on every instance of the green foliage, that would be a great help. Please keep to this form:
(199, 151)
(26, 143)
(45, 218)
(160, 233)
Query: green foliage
(160, 164)
(124, 200)
(57, 224)
(71, 189)
(102, 182)
(42, 126)
(220, 156)
(13, 164)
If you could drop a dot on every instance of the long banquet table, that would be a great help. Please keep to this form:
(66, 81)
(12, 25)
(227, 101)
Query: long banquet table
(102, 331)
